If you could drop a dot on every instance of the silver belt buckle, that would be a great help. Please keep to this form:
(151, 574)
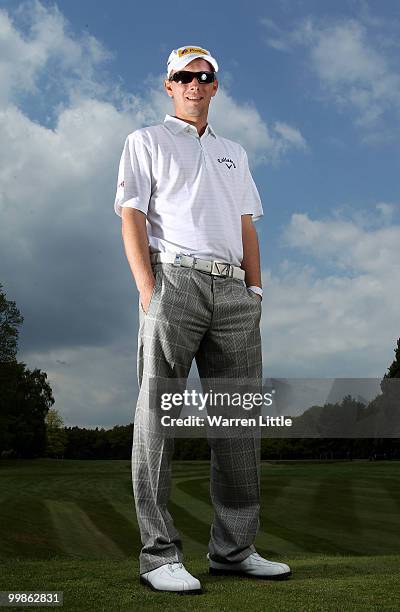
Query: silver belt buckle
(177, 260)
(220, 268)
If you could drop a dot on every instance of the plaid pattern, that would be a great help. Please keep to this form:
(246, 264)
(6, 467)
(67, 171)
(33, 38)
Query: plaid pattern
(214, 320)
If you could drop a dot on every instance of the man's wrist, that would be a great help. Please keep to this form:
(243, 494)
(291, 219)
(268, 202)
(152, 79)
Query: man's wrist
(256, 289)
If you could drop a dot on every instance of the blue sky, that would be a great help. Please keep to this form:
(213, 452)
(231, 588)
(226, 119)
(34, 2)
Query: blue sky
(311, 89)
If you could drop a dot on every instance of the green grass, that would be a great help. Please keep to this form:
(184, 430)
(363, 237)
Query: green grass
(71, 526)
(319, 583)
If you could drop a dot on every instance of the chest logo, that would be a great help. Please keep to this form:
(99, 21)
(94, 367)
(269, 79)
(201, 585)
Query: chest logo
(227, 161)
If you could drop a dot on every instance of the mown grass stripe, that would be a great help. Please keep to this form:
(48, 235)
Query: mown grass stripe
(27, 530)
(189, 527)
(78, 535)
(113, 525)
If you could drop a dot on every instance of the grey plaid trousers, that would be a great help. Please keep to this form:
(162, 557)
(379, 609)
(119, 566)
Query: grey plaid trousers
(214, 320)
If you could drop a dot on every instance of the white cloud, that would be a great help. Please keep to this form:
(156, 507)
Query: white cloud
(290, 135)
(47, 46)
(276, 38)
(354, 72)
(342, 323)
(353, 65)
(346, 244)
(244, 123)
(387, 211)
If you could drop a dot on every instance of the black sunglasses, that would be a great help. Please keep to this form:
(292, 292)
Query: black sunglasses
(185, 77)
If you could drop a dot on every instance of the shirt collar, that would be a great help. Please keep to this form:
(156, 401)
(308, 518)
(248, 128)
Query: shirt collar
(176, 125)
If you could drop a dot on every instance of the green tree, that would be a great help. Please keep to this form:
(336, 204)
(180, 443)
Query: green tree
(394, 368)
(56, 437)
(25, 395)
(10, 321)
(386, 409)
(25, 406)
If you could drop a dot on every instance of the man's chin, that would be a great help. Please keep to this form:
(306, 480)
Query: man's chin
(194, 111)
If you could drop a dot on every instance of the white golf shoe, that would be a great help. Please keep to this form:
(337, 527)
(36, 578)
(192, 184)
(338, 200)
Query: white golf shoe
(254, 565)
(172, 577)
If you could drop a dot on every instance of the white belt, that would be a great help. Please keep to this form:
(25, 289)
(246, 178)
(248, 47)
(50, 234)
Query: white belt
(217, 268)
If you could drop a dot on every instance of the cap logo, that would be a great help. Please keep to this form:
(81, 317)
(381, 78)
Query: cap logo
(186, 50)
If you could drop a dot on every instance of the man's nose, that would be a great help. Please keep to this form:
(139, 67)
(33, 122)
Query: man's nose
(194, 86)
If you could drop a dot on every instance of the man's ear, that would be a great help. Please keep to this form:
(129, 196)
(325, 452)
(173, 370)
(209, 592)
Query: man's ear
(168, 88)
(215, 88)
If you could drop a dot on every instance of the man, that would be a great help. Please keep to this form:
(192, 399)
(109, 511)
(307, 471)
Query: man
(187, 202)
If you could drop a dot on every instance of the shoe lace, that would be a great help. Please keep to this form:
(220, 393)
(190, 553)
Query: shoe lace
(175, 566)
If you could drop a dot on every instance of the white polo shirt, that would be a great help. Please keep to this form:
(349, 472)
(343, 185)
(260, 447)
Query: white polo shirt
(193, 190)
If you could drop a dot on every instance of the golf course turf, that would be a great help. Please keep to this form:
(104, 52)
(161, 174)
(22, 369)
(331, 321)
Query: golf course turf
(70, 526)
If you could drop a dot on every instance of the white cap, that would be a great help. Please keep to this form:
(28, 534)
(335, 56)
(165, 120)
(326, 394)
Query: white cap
(179, 58)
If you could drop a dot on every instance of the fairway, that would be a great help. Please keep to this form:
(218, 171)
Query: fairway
(71, 526)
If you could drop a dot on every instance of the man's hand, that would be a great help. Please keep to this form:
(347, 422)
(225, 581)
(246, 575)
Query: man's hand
(145, 296)
(254, 294)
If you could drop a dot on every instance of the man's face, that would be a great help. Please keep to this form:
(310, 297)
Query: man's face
(192, 100)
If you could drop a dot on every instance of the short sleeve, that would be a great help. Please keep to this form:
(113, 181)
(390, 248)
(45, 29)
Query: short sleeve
(134, 176)
(250, 200)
